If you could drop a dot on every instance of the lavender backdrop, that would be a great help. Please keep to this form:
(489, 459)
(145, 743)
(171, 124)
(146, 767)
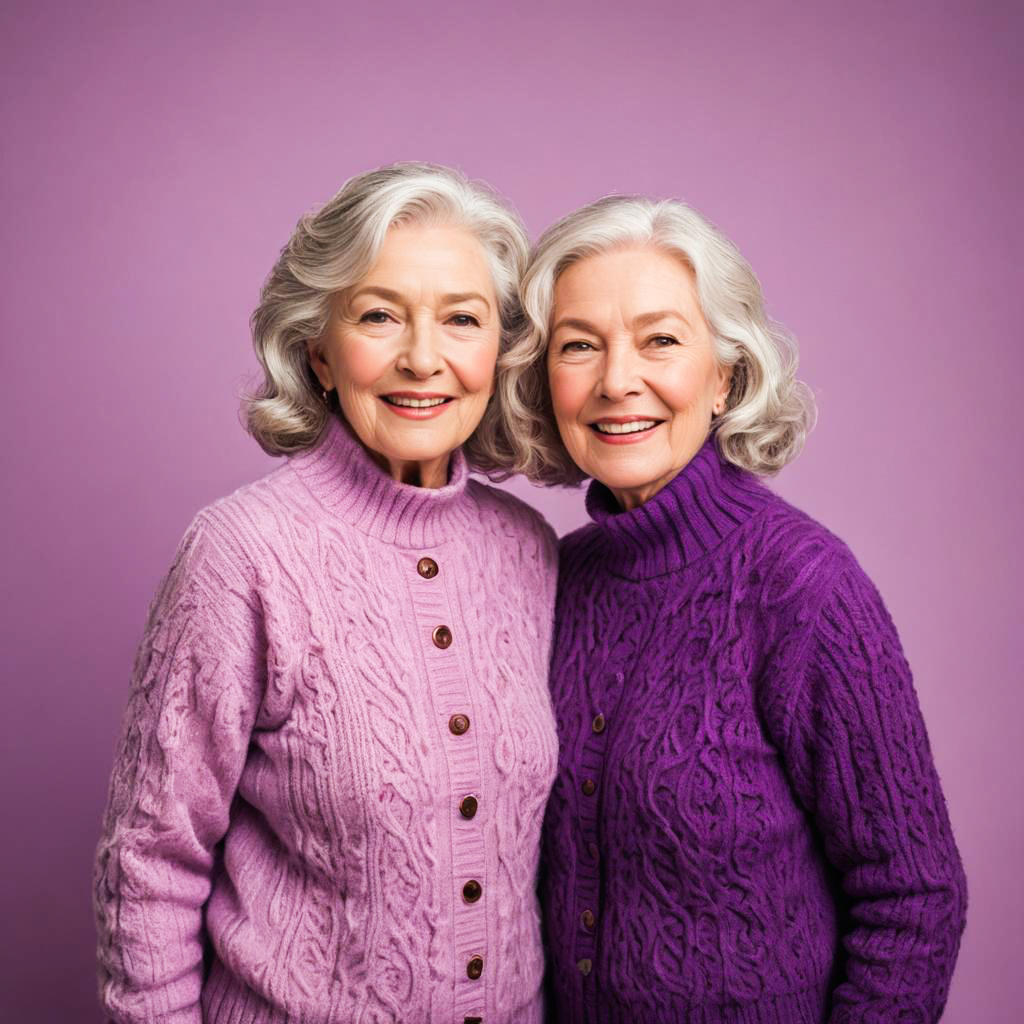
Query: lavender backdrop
(155, 157)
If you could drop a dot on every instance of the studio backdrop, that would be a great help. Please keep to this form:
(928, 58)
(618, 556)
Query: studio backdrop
(864, 157)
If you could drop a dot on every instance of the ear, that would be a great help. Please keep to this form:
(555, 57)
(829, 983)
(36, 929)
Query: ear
(314, 348)
(724, 384)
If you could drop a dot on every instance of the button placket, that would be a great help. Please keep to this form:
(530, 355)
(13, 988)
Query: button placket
(588, 867)
(589, 780)
(439, 624)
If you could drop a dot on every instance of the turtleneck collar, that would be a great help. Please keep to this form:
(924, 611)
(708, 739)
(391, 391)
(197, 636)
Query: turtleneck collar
(689, 516)
(344, 478)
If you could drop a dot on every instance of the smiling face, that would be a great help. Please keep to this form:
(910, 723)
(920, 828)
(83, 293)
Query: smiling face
(412, 349)
(632, 370)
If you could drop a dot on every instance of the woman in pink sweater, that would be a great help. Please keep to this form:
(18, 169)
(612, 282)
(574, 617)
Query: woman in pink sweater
(327, 797)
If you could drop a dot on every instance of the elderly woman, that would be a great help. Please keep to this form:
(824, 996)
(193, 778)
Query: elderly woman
(327, 801)
(747, 825)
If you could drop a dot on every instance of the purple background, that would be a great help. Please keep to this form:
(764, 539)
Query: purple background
(155, 158)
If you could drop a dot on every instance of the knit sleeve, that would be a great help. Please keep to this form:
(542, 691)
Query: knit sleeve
(191, 708)
(861, 762)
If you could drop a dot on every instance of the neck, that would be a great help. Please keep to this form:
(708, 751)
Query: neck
(429, 473)
(630, 498)
(686, 516)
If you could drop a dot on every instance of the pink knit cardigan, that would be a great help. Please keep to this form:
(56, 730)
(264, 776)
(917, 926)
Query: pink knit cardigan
(327, 796)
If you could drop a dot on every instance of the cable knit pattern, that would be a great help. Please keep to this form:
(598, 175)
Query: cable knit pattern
(747, 825)
(283, 840)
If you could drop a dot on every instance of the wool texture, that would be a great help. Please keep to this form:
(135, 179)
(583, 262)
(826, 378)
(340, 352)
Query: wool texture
(286, 837)
(747, 825)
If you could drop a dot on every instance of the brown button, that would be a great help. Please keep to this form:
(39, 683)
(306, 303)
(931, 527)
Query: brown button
(427, 568)
(589, 787)
(458, 724)
(475, 967)
(585, 966)
(442, 637)
(599, 723)
(588, 919)
(472, 891)
(468, 804)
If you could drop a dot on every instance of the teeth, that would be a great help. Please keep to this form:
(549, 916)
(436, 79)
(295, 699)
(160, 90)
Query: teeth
(625, 428)
(415, 403)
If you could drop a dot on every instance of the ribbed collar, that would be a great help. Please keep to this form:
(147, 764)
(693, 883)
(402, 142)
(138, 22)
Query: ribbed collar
(690, 515)
(349, 484)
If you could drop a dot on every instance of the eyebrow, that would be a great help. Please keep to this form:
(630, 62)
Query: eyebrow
(643, 320)
(646, 319)
(455, 298)
(576, 324)
(452, 299)
(381, 293)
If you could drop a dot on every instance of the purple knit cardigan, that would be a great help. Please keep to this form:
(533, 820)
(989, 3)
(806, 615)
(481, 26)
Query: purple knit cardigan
(747, 825)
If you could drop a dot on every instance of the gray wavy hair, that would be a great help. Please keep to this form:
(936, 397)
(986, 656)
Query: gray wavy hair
(334, 248)
(768, 412)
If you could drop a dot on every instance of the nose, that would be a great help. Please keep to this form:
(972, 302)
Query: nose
(620, 375)
(420, 356)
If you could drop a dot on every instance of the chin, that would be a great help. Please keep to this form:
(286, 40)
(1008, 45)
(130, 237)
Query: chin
(621, 467)
(620, 478)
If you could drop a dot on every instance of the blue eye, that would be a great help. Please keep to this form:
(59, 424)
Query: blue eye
(664, 340)
(577, 346)
(465, 320)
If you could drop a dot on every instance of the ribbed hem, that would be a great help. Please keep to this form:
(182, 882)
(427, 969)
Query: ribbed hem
(810, 1007)
(348, 483)
(689, 516)
(226, 1001)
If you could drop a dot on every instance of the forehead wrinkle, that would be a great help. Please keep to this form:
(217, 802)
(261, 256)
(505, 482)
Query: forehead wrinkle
(390, 295)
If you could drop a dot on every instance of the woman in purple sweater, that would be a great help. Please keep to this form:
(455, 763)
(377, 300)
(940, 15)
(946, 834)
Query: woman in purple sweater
(747, 825)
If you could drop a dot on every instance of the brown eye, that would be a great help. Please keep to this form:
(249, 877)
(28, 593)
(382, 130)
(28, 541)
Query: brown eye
(375, 316)
(664, 340)
(464, 320)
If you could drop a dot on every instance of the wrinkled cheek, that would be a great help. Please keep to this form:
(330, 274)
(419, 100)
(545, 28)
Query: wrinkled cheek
(357, 410)
(475, 369)
(360, 369)
(569, 394)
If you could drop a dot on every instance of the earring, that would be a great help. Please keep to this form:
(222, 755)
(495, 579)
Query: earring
(326, 397)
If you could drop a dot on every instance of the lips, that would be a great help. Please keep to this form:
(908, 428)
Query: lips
(416, 405)
(624, 429)
(633, 427)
